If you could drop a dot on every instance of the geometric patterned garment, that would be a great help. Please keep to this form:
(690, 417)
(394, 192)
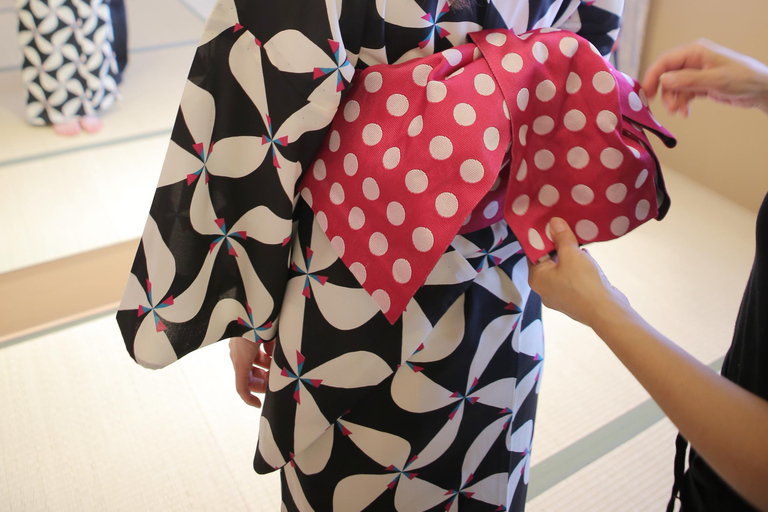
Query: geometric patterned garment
(69, 68)
(432, 412)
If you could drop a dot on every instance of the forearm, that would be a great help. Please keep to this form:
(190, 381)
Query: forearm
(726, 424)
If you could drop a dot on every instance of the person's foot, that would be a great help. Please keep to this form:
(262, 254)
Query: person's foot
(91, 124)
(67, 129)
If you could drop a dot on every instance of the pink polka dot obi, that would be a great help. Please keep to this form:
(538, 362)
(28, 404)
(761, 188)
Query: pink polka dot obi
(522, 128)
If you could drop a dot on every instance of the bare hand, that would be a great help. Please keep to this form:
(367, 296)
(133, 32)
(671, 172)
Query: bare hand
(573, 283)
(251, 362)
(704, 69)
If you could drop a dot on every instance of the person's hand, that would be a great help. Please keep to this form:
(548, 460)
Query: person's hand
(707, 70)
(251, 362)
(573, 283)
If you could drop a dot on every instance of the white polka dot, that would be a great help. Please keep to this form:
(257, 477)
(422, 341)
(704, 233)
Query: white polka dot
(350, 164)
(337, 193)
(322, 220)
(642, 209)
(378, 244)
(476, 54)
(338, 245)
(446, 205)
(573, 84)
(603, 82)
(356, 218)
(464, 114)
(496, 183)
(496, 38)
(416, 181)
(629, 79)
(370, 189)
(416, 126)
(401, 271)
(546, 90)
(594, 49)
(455, 73)
(334, 141)
(525, 36)
(491, 138)
(540, 52)
(568, 46)
(578, 157)
(391, 158)
(382, 300)
(586, 229)
(522, 98)
(547, 30)
(619, 225)
(471, 170)
(422, 239)
(634, 151)
(534, 238)
(397, 105)
(611, 158)
(575, 120)
(616, 193)
(358, 270)
(372, 134)
(307, 195)
(520, 204)
(607, 121)
(436, 91)
(505, 108)
(523, 135)
(544, 159)
(466, 221)
(512, 62)
(634, 102)
(421, 74)
(319, 170)
(582, 194)
(641, 178)
(440, 147)
(643, 97)
(351, 111)
(548, 195)
(373, 82)
(395, 213)
(522, 171)
(453, 56)
(484, 84)
(491, 210)
(542, 125)
(548, 231)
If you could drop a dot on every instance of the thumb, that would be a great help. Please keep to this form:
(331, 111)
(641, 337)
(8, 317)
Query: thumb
(562, 235)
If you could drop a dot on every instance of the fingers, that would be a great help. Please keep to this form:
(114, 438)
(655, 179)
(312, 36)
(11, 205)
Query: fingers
(562, 235)
(688, 56)
(242, 385)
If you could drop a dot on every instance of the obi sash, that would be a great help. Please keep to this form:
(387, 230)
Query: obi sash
(521, 128)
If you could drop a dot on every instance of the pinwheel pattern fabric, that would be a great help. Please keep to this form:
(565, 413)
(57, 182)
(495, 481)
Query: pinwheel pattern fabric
(433, 411)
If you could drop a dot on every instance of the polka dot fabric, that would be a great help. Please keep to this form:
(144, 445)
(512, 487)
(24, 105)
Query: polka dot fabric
(523, 129)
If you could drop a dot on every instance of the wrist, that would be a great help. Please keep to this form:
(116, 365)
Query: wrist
(610, 311)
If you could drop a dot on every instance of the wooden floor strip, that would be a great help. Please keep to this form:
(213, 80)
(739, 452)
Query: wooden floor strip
(42, 297)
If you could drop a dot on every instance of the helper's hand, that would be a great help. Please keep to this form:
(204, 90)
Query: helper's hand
(573, 283)
(251, 362)
(707, 70)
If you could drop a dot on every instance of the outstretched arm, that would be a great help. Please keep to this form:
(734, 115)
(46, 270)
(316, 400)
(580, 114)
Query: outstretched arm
(705, 69)
(733, 439)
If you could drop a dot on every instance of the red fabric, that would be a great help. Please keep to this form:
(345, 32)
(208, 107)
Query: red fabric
(414, 155)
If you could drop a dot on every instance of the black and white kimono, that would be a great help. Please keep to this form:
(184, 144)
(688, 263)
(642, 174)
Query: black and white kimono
(69, 67)
(433, 412)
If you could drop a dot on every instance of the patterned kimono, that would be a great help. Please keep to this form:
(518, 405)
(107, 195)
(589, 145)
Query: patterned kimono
(69, 67)
(432, 412)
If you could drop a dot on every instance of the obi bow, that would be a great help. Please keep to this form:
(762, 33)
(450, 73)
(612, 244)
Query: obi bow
(522, 128)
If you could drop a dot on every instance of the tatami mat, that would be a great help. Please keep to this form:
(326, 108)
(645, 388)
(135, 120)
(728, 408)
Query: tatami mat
(84, 429)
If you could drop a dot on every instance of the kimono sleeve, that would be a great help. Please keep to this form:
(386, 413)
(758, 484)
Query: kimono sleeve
(213, 261)
(597, 21)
